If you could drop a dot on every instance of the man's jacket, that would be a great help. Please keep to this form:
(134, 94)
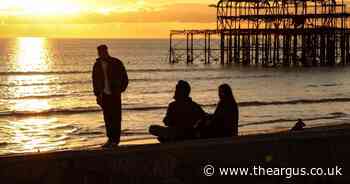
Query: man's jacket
(117, 76)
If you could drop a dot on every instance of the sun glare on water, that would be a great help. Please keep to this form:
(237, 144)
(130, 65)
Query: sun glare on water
(32, 56)
(34, 134)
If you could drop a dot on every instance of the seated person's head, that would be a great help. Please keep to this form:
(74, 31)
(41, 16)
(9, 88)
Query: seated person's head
(225, 92)
(182, 90)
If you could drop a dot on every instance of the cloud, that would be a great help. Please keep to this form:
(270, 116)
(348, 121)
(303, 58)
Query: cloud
(194, 12)
(107, 30)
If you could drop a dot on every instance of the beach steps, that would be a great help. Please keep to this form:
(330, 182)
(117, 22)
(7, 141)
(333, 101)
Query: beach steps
(184, 162)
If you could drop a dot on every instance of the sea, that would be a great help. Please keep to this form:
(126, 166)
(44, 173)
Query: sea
(47, 103)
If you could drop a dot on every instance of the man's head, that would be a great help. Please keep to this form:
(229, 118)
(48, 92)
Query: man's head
(102, 51)
(183, 90)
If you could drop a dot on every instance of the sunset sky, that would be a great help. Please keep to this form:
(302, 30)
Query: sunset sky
(103, 18)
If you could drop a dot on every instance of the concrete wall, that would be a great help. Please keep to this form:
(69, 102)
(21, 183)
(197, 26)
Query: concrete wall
(183, 162)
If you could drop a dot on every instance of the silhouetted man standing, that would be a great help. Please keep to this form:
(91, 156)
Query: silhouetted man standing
(110, 79)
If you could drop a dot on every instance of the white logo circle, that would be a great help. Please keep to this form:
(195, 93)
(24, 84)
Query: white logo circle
(208, 170)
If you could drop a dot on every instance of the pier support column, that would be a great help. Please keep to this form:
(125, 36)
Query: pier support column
(322, 49)
(205, 48)
(303, 50)
(295, 50)
(342, 48)
(256, 49)
(274, 50)
(347, 48)
(330, 54)
(209, 51)
(238, 48)
(246, 49)
(277, 49)
(316, 45)
(170, 49)
(235, 48)
(187, 49)
(192, 58)
(222, 48)
(267, 45)
(229, 45)
(286, 50)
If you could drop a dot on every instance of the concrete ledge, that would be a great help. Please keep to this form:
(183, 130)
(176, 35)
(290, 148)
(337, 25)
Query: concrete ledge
(183, 162)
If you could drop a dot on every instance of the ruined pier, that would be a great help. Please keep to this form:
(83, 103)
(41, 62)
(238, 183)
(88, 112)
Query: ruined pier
(269, 33)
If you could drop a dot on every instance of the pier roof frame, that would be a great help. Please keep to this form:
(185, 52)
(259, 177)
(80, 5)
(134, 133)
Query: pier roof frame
(284, 1)
(254, 31)
(285, 16)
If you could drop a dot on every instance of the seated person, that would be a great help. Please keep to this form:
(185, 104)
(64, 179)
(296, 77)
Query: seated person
(182, 114)
(224, 121)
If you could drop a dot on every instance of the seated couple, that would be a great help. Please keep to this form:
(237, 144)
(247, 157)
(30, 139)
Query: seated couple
(185, 119)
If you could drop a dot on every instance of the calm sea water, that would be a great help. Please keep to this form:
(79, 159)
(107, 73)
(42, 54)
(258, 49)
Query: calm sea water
(46, 99)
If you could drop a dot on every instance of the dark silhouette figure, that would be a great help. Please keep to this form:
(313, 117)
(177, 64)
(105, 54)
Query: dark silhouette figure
(299, 125)
(182, 114)
(110, 79)
(224, 121)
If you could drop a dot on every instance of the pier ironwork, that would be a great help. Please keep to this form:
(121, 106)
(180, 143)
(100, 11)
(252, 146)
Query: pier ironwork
(269, 33)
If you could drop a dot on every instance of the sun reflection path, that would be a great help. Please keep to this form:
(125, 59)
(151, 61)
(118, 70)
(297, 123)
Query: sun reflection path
(32, 56)
(32, 105)
(34, 134)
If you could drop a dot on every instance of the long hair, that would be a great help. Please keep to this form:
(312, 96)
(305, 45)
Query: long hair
(227, 93)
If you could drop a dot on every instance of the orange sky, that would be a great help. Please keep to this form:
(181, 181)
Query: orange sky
(103, 18)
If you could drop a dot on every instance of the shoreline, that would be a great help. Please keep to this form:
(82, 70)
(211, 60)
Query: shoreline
(148, 140)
